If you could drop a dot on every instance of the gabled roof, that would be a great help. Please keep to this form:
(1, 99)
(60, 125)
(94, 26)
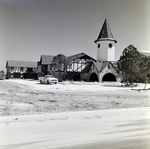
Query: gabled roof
(105, 33)
(114, 64)
(100, 65)
(80, 55)
(46, 59)
(86, 69)
(27, 64)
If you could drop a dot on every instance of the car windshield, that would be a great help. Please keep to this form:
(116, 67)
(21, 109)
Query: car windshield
(49, 76)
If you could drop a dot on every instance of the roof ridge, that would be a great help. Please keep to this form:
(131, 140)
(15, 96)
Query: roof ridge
(105, 33)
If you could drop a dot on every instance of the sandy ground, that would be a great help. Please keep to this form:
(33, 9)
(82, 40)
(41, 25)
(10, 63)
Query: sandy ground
(28, 97)
(73, 115)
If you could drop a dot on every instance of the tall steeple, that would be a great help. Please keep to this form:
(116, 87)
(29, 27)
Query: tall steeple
(105, 33)
(105, 44)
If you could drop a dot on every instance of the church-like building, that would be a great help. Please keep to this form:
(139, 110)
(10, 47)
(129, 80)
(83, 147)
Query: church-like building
(83, 67)
(105, 68)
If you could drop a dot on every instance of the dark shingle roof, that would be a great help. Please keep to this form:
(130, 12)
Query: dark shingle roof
(27, 64)
(46, 59)
(105, 33)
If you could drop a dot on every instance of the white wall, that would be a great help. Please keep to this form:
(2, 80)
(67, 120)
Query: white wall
(104, 53)
(111, 53)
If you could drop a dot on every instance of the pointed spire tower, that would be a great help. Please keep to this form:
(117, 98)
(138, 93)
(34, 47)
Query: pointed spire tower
(105, 44)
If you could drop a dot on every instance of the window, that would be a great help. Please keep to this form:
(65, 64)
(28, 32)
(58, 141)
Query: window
(98, 46)
(110, 45)
(29, 69)
(21, 69)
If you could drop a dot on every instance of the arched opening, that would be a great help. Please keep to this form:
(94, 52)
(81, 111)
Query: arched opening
(93, 77)
(109, 77)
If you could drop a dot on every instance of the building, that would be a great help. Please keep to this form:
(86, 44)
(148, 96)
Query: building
(105, 44)
(105, 68)
(84, 67)
(45, 65)
(100, 71)
(77, 63)
(21, 69)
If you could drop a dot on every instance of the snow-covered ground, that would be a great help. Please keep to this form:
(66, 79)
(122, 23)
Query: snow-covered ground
(27, 97)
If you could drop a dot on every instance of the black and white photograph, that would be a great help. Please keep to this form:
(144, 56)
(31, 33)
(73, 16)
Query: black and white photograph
(74, 74)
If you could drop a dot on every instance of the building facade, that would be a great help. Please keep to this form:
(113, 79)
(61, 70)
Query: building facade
(105, 68)
(21, 69)
(84, 67)
(45, 65)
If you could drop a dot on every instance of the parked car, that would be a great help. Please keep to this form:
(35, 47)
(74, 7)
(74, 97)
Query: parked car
(48, 79)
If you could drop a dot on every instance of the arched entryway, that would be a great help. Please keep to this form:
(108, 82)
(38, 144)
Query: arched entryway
(93, 77)
(109, 77)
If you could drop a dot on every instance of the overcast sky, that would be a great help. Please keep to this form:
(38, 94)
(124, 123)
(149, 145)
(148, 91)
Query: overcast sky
(31, 28)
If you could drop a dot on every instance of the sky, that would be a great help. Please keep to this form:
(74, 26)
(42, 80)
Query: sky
(31, 28)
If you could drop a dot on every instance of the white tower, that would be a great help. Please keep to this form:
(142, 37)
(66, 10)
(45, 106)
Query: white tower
(105, 44)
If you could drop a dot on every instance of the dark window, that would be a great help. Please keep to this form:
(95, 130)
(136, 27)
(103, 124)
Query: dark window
(98, 46)
(110, 45)
(29, 69)
(44, 67)
(21, 68)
